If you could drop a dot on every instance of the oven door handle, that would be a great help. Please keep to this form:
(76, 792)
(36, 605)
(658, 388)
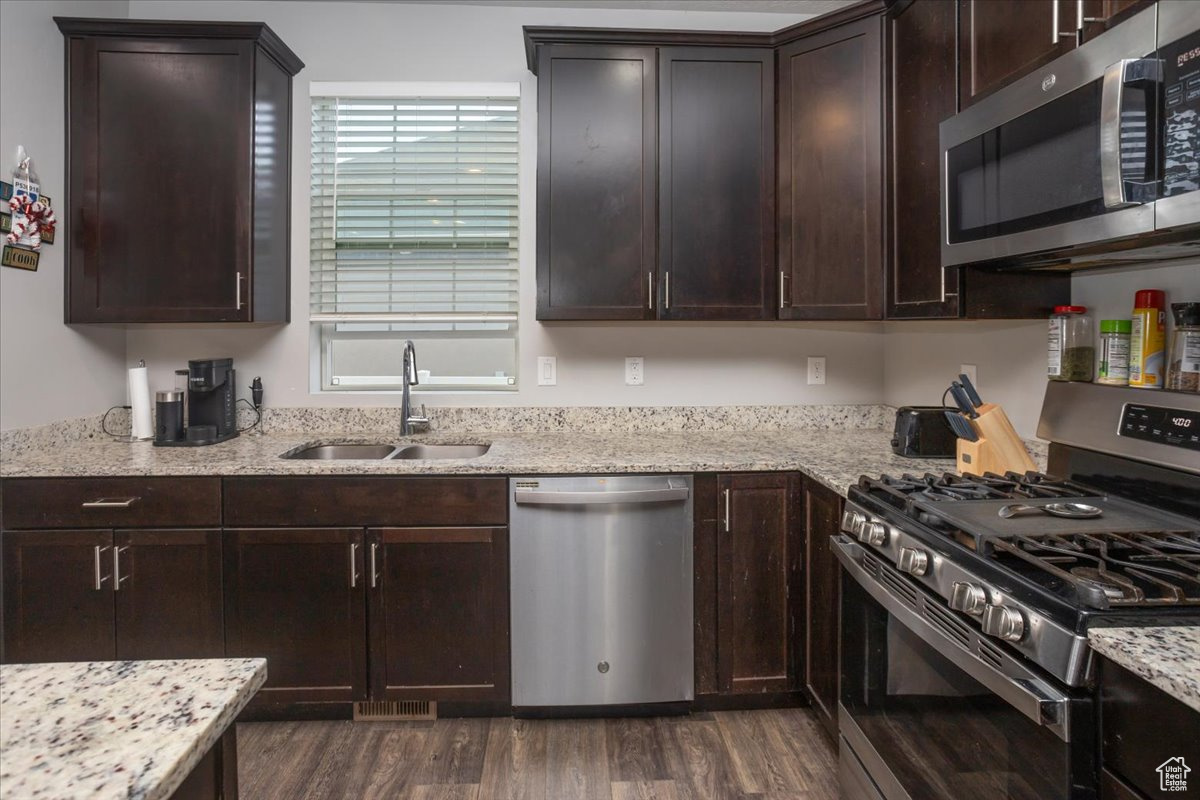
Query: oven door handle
(1025, 691)
(1144, 74)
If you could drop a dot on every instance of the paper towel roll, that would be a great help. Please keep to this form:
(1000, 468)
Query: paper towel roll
(141, 426)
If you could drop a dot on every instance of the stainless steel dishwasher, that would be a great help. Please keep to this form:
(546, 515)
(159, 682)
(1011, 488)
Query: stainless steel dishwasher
(601, 591)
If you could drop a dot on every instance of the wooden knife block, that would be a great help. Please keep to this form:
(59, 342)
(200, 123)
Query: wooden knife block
(999, 448)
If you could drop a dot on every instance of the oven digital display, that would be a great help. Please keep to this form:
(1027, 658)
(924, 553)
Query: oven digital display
(1171, 426)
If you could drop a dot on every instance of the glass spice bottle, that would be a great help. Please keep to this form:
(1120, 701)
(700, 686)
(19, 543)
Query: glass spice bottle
(1070, 352)
(1183, 366)
(1114, 352)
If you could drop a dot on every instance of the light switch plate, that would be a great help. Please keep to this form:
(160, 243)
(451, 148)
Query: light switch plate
(547, 371)
(971, 371)
(816, 370)
(635, 371)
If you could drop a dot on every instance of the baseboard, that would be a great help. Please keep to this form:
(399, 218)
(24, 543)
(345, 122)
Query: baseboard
(748, 702)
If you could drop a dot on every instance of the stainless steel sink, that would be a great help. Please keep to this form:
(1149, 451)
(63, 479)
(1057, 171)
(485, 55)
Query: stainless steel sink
(330, 452)
(432, 451)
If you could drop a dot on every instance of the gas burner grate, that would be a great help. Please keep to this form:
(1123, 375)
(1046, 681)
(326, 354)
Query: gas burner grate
(901, 492)
(1109, 570)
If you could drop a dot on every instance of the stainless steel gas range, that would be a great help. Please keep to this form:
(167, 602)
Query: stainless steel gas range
(965, 665)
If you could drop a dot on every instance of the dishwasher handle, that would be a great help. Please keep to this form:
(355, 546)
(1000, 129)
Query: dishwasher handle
(537, 497)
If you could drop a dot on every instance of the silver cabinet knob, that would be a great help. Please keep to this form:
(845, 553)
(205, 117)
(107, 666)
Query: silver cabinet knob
(852, 520)
(913, 561)
(1004, 623)
(969, 598)
(873, 533)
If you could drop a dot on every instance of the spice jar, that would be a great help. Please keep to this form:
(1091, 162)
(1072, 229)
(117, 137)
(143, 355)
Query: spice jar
(1071, 353)
(1114, 352)
(1183, 370)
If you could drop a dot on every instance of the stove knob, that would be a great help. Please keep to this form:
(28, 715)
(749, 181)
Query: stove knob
(969, 598)
(913, 561)
(873, 533)
(852, 520)
(1004, 623)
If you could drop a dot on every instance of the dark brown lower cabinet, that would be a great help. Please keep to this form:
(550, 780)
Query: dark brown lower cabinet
(759, 562)
(438, 612)
(297, 598)
(94, 595)
(58, 599)
(168, 594)
(822, 600)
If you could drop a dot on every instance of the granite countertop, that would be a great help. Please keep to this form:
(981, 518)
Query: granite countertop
(115, 729)
(835, 457)
(1169, 658)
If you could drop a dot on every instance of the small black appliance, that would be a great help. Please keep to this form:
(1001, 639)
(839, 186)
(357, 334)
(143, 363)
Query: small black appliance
(210, 404)
(923, 432)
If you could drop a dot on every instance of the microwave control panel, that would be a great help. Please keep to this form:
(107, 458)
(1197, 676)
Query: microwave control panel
(1170, 426)
(1181, 109)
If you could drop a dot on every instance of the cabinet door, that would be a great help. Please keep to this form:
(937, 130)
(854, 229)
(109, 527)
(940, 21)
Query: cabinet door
(923, 85)
(759, 560)
(159, 217)
(296, 597)
(716, 187)
(1101, 15)
(831, 174)
(597, 164)
(822, 599)
(1001, 40)
(168, 594)
(439, 613)
(58, 599)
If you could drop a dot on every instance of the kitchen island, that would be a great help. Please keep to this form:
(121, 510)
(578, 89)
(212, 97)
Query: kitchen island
(122, 729)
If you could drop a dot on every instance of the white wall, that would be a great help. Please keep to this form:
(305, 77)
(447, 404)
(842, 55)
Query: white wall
(50, 371)
(921, 358)
(685, 363)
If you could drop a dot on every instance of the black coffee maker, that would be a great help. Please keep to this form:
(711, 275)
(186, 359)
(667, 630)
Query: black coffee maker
(210, 405)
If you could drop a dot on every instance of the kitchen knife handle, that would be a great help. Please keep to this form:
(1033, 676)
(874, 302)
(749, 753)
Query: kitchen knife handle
(969, 388)
(960, 397)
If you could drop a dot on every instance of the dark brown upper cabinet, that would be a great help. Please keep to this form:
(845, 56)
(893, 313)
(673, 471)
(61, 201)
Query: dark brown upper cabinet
(1101, 15)
(1001, 40)
(597, 167)
(655, 181)
(716, 109)
(831, 176)
(921, 36)
(178, 171)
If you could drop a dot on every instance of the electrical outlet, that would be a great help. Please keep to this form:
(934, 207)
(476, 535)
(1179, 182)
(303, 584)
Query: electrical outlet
(970, 370)
(816, 370)
(635, 372)
(547, 371)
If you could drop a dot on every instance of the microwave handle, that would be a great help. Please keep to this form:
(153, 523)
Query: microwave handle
(1146, 73)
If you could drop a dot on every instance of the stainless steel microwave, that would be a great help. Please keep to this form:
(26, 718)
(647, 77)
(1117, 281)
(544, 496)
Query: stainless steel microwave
(1092, 160)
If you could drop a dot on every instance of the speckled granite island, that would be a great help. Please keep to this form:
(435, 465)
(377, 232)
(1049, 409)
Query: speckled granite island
(1168, 658)
(120, 729)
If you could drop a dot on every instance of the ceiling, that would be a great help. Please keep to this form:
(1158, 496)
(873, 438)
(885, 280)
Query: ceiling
(763, 6)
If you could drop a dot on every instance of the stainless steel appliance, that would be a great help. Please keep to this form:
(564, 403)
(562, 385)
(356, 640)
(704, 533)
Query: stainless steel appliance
(965, 665)
(1093, 159)
(601, 593)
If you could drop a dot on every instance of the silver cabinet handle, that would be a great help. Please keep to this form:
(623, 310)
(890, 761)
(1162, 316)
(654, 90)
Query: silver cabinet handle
(117, 568)
(650, 290)
(353, 565)
(667, 290)
(238, 291)
(782, 289)
(533, 497)
(111, 502)
(98, 581)
(726, 510)
(374, 574)
(1055, 33)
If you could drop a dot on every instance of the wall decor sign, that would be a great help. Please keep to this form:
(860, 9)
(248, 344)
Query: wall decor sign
(30, 220)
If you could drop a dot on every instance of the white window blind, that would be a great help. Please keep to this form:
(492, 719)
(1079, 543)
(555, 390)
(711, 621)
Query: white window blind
(414, 212)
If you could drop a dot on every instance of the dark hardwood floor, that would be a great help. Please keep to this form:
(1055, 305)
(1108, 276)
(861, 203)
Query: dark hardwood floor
(728, 755)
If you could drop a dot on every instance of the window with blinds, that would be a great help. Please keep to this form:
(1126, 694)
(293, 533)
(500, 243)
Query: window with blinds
(414, 236)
